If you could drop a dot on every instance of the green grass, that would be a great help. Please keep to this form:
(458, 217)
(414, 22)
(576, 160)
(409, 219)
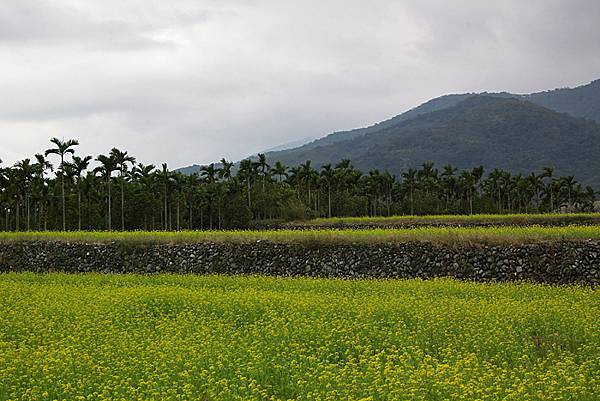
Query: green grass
(517, 219)
(439, 234)
(118, 337)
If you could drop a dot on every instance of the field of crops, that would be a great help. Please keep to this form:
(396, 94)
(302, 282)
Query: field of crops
(508, 219)
(93, 337)
(439, 234)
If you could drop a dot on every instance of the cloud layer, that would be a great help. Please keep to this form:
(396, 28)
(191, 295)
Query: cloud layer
(192, 81)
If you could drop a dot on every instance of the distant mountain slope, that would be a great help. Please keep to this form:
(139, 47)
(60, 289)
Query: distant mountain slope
(289, 145)
(189, 170)
(502, 132)
(583, 101)
(438, 103)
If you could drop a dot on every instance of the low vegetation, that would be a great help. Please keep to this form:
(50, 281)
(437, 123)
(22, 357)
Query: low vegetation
(453, 219)
(93, 337)
(501, 234)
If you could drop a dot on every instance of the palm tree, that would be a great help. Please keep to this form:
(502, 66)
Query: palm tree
(122, 160)
(547, 173)
(307, 174)
(449, 183)
(327, 174)
(90, 185)
(209, 173)
(78, 166)
(410, 180)
(280, 170)
(145, 177)
(62, 149)
(178, 183)
(225, 170)
(569, 184)
(493, 186)
(191, 186)
(165, 178)
(12, 191)
(25, 170)
(263, 167)
(41, 189)
(106, 168)
(466, 182)
(247, 172)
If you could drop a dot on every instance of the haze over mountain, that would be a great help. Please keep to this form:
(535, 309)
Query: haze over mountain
(583, 101)
(556, 128)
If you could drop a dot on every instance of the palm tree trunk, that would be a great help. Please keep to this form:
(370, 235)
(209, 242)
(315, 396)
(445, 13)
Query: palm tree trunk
(109, 217)
(177, 213)
(28, 210)
(122, 204)
(64, 210)
(219, 214)
(166, 210)
(470, 201)
(79, 208)
(248, 185)
(329, 201)
(17, 222)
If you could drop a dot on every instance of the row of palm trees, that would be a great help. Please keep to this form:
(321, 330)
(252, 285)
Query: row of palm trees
(224, 195)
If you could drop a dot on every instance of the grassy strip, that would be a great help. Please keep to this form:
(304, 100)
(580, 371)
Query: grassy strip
(516, 219)
(503, 234)
(92, 337)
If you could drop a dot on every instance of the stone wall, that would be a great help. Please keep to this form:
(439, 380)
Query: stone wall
(550, 262)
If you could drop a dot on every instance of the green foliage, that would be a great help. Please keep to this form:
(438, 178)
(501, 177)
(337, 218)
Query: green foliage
(141, 197)
(94, 337)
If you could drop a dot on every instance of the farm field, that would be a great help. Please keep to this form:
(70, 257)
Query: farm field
(170, 337)
(519, 219)
(501, 234)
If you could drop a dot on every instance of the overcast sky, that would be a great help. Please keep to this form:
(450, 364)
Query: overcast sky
(186, 82)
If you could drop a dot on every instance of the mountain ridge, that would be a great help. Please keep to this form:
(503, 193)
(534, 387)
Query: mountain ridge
(569, 111)
(458, 135)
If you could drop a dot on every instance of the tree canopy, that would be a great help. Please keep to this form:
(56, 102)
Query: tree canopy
(222, 196)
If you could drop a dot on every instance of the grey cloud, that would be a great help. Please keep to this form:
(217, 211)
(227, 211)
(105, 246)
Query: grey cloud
(44, 23)
(189, 81)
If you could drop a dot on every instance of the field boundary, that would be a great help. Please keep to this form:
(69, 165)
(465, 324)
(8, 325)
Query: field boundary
(400, 222)
(565, 262)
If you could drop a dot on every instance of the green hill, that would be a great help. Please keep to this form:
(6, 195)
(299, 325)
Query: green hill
(583, 101)
(502, 132)
(517, 132)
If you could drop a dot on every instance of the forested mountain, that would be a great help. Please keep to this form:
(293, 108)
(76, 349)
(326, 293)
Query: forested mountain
(459, 136)
(583, 101)
(507, 133)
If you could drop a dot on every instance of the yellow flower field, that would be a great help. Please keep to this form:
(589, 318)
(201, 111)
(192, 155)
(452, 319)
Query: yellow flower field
(167, 337)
